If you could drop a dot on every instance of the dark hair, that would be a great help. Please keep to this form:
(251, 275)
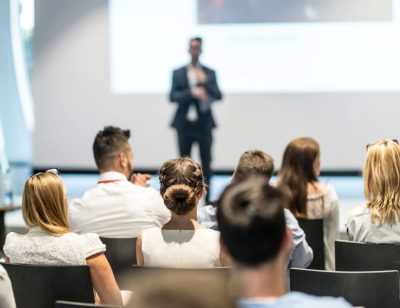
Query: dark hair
(181, 182)
(107, 145)
(297, 171)
(196, 38)
(251, 221)
(254, 162)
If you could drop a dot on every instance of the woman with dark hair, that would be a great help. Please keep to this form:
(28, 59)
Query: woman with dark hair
(181, 242)
(308, 198)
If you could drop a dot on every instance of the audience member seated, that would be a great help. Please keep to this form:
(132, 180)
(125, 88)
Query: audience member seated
(259, 163)
(253, 232)
(308, 198)
(116, 207)
(181, 242)
(6, 292)
(50, 240)
(378, 220)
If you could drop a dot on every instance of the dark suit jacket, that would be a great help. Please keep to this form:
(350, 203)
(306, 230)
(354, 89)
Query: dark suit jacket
(181, 94)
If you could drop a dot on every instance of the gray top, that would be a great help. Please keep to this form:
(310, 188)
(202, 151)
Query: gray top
(302, 254)
(325, 205)
(361, 229)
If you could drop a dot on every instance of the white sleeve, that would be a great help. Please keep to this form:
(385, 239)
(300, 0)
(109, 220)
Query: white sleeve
(9, 246)
(6, 293)
(302, 254)
(92, 244)
(161, 214)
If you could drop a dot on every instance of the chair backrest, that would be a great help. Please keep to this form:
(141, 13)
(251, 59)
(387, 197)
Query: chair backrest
(314, 230)
(354, 256)
(67, 304)
(120, 252)
(367, 289)
(38, 286)
(134, 276)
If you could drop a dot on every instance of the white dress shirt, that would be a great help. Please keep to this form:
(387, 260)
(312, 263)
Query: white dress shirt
(192, 79)
(117, 208)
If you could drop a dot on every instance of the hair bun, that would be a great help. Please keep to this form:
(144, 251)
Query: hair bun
(180, 198)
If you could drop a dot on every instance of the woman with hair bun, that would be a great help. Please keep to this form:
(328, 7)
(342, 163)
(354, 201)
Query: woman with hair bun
(181, 242)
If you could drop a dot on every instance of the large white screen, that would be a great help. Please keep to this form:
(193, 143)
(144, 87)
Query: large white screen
(301, 46)
(74, 98)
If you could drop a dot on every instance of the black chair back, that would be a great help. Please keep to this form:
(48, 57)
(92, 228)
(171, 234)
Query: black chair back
(67, 304)
(39, 286)
(120, 252)
(314, 230)
(367, 289)
(354, 256)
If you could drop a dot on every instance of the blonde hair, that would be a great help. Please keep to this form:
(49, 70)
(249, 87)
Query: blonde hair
(382, 181)
(44, 203)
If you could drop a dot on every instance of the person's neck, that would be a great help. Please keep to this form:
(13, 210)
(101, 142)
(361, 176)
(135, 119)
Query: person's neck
(194, 62)
(265, 281)
(183, 222)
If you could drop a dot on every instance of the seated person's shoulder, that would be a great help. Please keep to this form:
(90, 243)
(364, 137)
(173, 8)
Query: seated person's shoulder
(304, 300)
(297, 300)
(92, 243)
(13, 239)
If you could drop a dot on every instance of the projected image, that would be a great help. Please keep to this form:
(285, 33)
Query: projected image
(258, 46)
(277, 11)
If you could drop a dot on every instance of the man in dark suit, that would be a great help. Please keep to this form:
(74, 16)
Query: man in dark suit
(194, 89)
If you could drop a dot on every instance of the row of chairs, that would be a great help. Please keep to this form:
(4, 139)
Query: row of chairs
(42, 286)
(350, 281)
(366, 275)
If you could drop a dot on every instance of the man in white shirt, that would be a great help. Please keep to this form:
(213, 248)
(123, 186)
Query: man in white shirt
(117, 207)
(254, 234)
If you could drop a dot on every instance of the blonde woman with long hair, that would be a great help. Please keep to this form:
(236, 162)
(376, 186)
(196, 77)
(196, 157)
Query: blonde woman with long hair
(378, 220)
(50, 240)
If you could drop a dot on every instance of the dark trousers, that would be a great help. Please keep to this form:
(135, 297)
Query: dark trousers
(192, 133)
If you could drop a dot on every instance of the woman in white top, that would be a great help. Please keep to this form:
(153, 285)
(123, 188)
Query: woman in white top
(50, 240)
(181, 242)
(308, 198)
(378, 220)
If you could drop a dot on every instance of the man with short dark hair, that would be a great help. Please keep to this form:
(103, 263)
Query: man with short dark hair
(257, 162)
(194, 88)
(120, 205)
(254, 234)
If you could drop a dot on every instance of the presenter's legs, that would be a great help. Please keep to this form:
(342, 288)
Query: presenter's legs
(185, 141)
(204, 139)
